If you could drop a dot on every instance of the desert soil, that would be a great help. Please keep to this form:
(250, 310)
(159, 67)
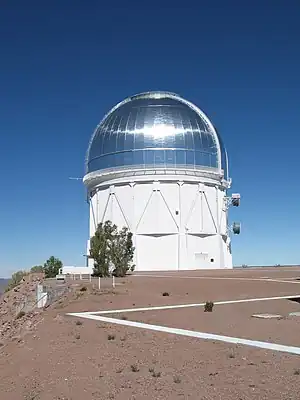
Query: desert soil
(62, 357)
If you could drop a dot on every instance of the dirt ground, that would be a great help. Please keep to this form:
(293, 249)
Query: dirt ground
(64, 357)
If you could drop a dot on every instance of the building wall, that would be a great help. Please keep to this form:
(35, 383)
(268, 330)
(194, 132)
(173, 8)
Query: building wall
(176, 225)
(76, 270)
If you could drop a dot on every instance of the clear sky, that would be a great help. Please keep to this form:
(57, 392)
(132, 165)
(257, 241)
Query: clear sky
(65, 63)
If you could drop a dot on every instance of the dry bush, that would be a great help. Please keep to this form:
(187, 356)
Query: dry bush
(208, 306)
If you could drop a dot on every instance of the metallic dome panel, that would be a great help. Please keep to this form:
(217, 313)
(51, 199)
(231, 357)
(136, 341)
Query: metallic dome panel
(155, 129)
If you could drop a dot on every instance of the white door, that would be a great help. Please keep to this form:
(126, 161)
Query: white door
(157, 253)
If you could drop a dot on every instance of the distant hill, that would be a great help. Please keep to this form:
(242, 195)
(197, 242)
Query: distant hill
(3, 284)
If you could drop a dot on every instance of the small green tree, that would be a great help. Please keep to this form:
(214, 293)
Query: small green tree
(52, 267)
(122, 252)
(100, 248)
(16, 278)
(37, 269)
(112, 250)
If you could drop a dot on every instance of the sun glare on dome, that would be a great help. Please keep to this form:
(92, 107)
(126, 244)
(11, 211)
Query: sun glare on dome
(159, 130)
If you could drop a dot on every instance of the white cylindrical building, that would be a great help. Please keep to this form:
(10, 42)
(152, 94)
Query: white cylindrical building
(157, 165)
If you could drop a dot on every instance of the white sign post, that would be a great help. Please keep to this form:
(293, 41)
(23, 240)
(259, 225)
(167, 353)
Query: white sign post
(41, 296)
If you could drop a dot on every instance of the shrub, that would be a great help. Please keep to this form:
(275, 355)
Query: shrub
(134, 368)
(156, 374)
(166, 294)
(297, 372)
(16, 278)
(20, 314)
(83, 289)
(111, 337)
(37, 269)
(208, 306)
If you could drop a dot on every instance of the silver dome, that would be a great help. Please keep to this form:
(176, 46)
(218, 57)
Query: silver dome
(156, 129)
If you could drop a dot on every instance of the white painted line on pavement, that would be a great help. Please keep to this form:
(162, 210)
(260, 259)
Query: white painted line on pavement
(279, 280)
(170, 307)
(194, 334)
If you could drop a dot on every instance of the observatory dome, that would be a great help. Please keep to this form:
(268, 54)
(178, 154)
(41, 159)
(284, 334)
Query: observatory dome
(156, 130)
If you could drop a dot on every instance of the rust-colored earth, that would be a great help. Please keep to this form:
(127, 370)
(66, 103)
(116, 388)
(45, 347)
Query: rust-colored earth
(64, 357)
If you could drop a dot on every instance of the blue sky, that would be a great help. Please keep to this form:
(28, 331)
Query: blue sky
(65, 63)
